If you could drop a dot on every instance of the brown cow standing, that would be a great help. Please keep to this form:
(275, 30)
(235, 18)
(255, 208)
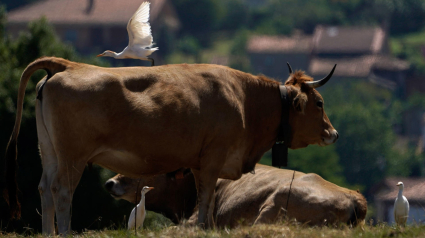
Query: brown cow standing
(253, 199)
(142, 121)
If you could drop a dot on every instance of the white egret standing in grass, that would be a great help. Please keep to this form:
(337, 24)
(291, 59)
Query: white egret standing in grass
(401, 206)
(139, 37)
(141, 212)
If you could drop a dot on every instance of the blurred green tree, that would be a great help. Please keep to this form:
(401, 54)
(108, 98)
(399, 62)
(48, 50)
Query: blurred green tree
(364, 115)
(401, 16)
(199, 18)
(236, 14)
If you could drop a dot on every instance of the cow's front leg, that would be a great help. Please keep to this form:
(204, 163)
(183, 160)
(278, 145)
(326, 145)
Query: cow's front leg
(206, 181)
(268, 214)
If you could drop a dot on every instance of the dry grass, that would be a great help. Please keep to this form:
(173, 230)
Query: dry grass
(264, 231)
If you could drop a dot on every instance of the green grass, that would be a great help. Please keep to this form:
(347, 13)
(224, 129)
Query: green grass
(283, 229)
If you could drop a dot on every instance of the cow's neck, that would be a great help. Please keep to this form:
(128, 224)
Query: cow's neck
(263, 116)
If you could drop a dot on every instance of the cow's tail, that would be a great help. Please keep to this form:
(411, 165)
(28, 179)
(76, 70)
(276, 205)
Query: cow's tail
(52, 65)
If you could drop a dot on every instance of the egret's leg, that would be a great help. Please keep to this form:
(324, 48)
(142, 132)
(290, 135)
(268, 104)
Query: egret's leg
(152, 61)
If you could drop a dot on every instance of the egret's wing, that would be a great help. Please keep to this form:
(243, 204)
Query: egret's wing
(141, 217)
(138, 28)
(131, 219)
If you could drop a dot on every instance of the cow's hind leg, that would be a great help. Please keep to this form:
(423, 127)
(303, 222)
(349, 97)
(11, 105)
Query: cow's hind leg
(49, 162)
(65, 181)
(47, 204)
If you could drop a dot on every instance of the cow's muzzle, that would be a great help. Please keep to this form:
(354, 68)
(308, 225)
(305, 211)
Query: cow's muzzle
(110, 187)
(331, 138)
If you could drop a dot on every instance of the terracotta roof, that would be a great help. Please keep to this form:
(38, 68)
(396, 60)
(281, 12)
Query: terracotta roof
(357, 66)
(110, 12)
(348, 39)
(279, 44)
(414, 189)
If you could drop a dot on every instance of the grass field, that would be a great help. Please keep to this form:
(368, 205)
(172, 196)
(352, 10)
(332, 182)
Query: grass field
(283, 229)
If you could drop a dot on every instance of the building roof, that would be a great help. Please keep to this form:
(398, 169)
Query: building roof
(356, 66)
(336, 39)
(105, 12)
(414, 189)
(279, 44)
(325, 40)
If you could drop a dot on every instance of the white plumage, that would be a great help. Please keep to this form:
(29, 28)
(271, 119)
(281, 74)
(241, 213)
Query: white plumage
(139, 35)
(141, 212)
(401, 206)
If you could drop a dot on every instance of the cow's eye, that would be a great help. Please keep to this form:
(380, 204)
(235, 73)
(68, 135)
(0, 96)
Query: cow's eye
(319, 104)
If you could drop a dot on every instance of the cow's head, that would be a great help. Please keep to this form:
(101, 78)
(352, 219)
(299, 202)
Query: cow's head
(307, 117)
(122, 187)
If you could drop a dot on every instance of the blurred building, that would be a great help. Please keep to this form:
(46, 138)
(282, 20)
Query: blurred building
(269, 54)
(94, 25)
(360, 52)
(384, 195)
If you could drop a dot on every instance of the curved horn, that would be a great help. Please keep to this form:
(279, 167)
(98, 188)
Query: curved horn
(289, 67)
(321, 82)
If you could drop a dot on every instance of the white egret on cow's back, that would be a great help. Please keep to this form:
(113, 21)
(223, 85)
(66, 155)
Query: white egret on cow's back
(139, 218)
(401, 206)
(140, 38)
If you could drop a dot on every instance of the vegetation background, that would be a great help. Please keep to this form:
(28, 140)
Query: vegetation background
(364, 155)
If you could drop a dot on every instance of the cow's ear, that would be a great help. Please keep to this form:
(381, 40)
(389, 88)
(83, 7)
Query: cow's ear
(300, 102)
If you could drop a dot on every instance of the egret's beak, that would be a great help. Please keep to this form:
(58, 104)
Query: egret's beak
(151, 188)
(99, 55)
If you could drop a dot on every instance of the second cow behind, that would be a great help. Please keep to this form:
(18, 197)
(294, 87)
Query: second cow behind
(253, 199)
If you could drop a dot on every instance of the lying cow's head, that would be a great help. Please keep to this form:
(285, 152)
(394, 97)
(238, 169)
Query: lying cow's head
(122, 187)
(307, 117)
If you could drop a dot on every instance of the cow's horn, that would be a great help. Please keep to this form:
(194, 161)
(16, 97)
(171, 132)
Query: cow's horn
(321, 82)
(289, 67)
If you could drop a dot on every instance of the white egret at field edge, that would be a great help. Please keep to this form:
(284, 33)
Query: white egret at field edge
(401, 206)
(141, 212)
(139, 37)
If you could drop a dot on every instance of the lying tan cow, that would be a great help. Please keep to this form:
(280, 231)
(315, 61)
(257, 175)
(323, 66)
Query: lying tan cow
(143, 121)
(254, 198)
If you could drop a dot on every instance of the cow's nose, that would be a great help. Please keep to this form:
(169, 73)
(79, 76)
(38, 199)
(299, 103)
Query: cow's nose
(336, 136)
(109, 184)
